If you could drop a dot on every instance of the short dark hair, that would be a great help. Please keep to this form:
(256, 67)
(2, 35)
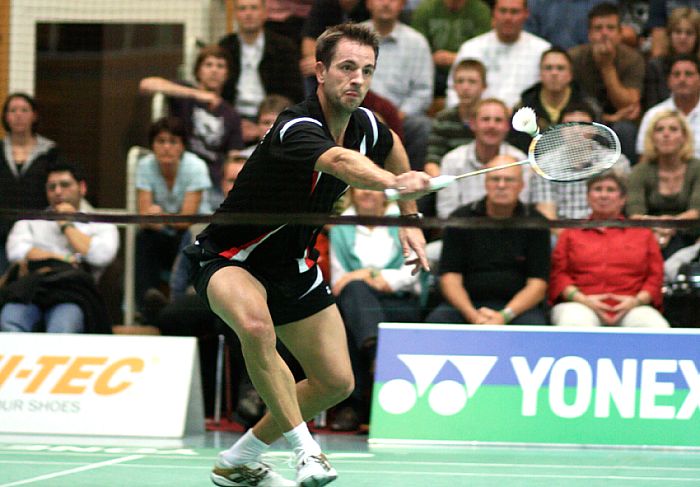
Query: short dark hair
(172, 125)
(211, 51)
(579, 106)
(684, 58)
(612, 175)
(274, 104)
(327, 42)
(6, 108)
(474, 65)
(605, 9)
(61, 165)
(556, 50)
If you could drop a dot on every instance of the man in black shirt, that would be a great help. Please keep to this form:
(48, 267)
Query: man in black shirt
(483, 283)
(260, 277)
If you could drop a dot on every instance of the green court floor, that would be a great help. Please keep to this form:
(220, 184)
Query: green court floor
(72, 464)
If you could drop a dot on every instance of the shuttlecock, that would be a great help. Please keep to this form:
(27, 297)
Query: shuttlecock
(525, 120)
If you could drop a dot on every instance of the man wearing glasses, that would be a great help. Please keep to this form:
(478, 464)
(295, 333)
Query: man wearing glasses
(58, 244)
(494, 275)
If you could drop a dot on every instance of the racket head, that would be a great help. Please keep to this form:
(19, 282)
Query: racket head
(574, 151)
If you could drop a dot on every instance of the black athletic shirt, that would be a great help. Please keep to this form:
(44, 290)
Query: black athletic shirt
(279, 177)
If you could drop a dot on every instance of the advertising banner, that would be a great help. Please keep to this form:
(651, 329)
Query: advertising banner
(511, 384)
(117, 385)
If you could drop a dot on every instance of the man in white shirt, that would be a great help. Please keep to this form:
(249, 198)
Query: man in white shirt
(511, 55)
(404, 74)
(75, 243)
(491, 123)
(684, 83)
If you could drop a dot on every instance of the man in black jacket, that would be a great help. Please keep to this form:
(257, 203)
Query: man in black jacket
(263, 63)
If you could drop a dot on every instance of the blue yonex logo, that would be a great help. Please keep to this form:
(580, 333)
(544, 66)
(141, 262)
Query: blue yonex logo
(447, 397)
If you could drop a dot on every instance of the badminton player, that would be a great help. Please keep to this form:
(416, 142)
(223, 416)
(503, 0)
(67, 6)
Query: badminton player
(263, 281)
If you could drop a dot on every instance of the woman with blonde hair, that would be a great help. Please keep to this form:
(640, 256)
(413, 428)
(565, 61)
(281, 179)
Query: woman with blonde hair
(684, 39)
(666, 184)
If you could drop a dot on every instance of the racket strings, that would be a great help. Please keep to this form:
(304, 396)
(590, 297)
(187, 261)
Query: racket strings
(575, 151)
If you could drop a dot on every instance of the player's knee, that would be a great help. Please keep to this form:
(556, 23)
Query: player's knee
(257, 331)
(339, 386)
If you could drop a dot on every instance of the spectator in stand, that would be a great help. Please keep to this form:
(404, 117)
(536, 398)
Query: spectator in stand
(684, 83)
(606, 276)
(212, 124)
(64, 260)
(491, 123)
(659, 13)
(487, 283)
(666, 183)
(325, 13)
(451, 127)
(562, 22)
(684, 28)
(169, 181)
(404, 74)
(262, 63)
(555, 91)
(270, 107)
(24, 157)
(569, 200)
(511, 56)
(446, 24)
(611, 73)
(372, 284)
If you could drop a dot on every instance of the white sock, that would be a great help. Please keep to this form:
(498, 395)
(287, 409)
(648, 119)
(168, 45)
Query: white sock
(247, 449)
(300, 438)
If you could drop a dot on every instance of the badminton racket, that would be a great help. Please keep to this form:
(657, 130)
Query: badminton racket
(566, 152)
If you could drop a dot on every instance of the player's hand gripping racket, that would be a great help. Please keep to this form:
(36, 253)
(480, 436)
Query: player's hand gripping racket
(565, 152)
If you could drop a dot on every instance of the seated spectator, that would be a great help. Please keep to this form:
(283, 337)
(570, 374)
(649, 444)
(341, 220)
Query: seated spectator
(569, 200)
(63, 259)
(451, 127)
(684, 28)
(372, 285)
(606, 276)
(404, 74)
(286, 17)
(269, 109)
(562, 23)
(212, 124)
(684, 83)
(511, 56)
(262, 63)
(659, 13)
(484, 283)
(169, 181)
(24, 157)
(611, 73)
(446, 24)
(666, 184)
(491, 123)
(555, 91)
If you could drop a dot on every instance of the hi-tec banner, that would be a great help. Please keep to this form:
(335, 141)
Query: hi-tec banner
(510, 384)
(117, 385)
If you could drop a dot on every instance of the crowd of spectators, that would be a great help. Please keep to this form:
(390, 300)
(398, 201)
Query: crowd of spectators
(449, 76)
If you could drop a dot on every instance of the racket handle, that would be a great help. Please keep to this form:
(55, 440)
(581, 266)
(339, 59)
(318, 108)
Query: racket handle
(439, 182)
(392, 194)
(436, 184)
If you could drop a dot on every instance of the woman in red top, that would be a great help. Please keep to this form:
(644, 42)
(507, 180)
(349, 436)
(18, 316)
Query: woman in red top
(607, 276)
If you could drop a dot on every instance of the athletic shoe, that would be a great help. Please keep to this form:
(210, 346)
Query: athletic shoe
(251, 474)
(314, 470)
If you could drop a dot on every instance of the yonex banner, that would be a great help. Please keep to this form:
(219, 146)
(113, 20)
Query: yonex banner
(122, 385)
(462, 383)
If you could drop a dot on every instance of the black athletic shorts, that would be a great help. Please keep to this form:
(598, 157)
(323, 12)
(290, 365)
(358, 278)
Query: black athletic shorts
(290, 297)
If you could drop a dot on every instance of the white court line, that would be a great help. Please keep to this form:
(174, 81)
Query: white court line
(62, 473)
(518, 476)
